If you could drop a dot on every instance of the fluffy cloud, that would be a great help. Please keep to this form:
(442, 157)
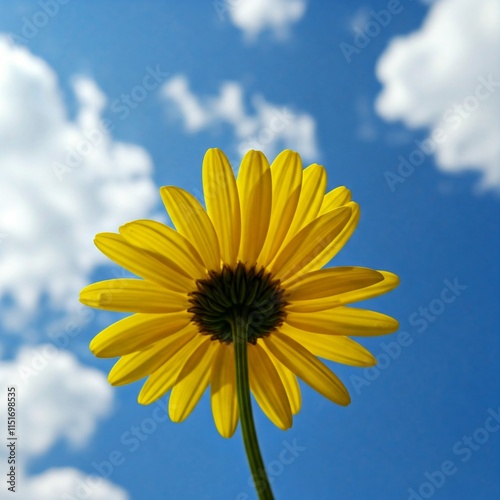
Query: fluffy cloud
(58, 399)
(268, 128)
(63, 180)
(446, 77)
(255, 16)
(69, 484)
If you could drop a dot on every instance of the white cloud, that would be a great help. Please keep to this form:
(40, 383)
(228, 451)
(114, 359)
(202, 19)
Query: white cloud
(63, 180)
(255, 16)
(57, 399)
(437, 77)
(68, 483)
(269, 128)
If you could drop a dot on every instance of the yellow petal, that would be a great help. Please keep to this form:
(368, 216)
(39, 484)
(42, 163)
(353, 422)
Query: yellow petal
(343, 321)
(222, 201)
(191, 220)
(286, 173)
(289, 381)
(325, 249)
(147, 265)
(333, 347)
(311, 198)
(137, 365)
(163, 240)
(192, 381)
(164, 378)
(334, 199)
(254, 188)
(310, 292)
(132, 295)
(308, 242)
(307, 367)
(331, 281)
(137, 332)
(267, 387)
(223, 391)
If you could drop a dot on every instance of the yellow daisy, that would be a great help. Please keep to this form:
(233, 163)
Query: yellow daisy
(245, 274)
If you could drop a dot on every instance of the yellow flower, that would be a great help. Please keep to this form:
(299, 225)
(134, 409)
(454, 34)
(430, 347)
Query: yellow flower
(254, 256)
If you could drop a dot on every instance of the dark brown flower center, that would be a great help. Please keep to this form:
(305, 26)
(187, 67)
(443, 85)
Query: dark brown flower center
(238, 295)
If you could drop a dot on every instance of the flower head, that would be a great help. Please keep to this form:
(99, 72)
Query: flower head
(254, 257)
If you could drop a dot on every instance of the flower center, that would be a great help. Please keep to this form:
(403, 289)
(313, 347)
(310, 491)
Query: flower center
(238, 295)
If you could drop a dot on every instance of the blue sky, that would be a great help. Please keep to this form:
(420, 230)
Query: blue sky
(274, 75)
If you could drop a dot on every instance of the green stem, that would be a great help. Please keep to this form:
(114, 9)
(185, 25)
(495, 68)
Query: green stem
(254, 456)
